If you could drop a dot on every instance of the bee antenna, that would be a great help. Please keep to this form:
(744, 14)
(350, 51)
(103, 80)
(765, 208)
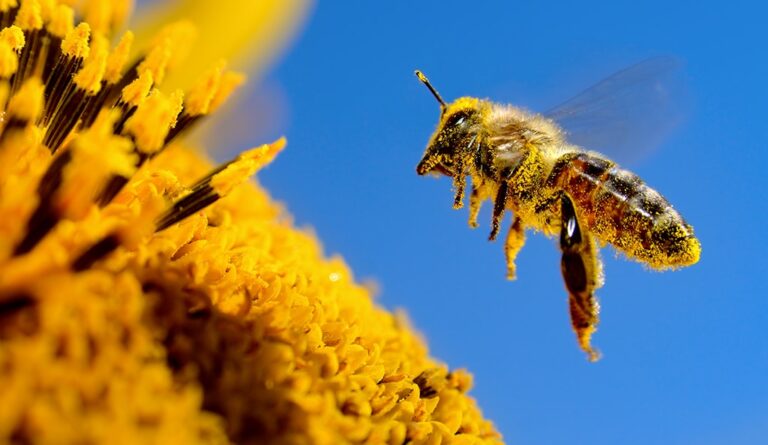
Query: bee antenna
(425, 81)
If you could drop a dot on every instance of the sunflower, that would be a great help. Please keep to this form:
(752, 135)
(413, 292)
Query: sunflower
(148, 297)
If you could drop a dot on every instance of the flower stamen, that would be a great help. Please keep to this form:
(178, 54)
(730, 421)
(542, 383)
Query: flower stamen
(219, 183)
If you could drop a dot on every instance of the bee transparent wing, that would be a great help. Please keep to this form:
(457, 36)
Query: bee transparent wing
(627, 115)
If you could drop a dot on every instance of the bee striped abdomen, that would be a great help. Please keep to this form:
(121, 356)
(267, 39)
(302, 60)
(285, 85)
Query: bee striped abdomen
(619, 208)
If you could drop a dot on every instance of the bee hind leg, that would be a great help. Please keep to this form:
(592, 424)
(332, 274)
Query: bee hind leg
(499, 205)
(515, 241)
(581, 269)
(475, 202)
(459, 184)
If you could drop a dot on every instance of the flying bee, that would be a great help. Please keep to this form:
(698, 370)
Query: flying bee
(524, 163)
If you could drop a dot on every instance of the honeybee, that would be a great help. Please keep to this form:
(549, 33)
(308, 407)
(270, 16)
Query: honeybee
(524, 163)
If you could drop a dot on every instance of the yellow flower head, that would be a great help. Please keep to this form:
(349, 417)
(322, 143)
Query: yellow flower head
(146, 297)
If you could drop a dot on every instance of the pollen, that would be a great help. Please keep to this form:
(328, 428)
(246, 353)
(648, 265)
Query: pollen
(135, 92)
(27, 104)
(61, 21)
(118, 58)
(157, 60)
(30, 15)
(172, 44)
(13, 36)
(150, 296)
(90, 76)
(9, 61)
(75, 42)
(7, 5)
(199, 99)
(244, 167)
(229, 82)
(153, 118)
(105, 16)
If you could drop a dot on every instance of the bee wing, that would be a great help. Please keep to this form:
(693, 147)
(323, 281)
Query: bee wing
(628, 114)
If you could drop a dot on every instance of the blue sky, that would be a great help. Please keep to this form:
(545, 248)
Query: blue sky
(685, 353)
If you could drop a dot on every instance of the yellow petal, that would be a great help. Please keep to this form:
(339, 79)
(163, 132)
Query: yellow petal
(248, 34)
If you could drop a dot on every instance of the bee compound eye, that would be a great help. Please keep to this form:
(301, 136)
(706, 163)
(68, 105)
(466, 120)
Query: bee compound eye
(457, 119)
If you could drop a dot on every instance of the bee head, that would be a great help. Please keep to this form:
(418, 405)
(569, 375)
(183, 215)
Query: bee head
(455, 139)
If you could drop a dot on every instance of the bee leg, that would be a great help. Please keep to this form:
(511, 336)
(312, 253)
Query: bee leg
(499, 205)
(581, 270)
(475, 201)
(459, 183)
(515, 241)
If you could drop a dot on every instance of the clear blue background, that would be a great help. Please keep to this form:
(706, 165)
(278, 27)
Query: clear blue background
(685, 353)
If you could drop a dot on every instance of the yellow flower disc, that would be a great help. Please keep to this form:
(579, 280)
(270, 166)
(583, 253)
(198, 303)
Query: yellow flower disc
(148, 297)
